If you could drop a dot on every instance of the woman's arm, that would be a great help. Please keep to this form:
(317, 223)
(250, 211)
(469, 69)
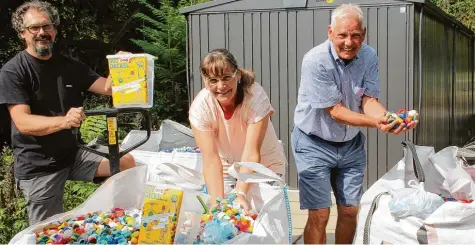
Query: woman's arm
(251, 153)
(212, 165)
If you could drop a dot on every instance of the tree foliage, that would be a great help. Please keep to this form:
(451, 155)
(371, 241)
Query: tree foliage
(13, 215)
(462, 10)
(163, 35)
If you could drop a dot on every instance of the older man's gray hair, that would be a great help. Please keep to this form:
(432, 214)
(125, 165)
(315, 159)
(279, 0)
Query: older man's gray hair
(346, 10)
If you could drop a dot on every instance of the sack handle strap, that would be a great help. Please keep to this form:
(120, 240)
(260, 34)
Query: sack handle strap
(261, 173)
(417, 168)
(368, 221)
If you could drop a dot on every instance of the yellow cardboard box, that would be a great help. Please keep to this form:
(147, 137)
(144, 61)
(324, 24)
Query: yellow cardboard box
(160, 214)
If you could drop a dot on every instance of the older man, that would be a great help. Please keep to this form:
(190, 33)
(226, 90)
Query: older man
(338, 93)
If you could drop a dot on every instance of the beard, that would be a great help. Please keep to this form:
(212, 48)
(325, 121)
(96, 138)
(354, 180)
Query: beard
(41, 49)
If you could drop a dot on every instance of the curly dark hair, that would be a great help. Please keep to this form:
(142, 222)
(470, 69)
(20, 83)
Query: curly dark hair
(17, 16)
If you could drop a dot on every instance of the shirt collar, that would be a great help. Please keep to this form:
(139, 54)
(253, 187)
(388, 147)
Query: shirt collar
(336, 57)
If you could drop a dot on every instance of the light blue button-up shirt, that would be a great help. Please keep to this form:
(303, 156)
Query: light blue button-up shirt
(326, 81)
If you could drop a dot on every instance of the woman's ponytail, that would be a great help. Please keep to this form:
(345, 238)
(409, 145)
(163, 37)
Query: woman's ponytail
(244, 85)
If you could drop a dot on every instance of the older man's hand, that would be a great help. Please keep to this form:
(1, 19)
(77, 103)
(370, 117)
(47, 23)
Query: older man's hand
(382, 125)
(403, 129)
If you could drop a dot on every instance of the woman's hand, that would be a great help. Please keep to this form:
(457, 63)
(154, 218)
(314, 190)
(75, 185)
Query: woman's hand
(241, 199)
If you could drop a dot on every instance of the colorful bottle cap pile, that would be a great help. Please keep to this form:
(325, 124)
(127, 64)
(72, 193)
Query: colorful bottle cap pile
(401, 116)
(115, 226)
(450, 199)
(182, 149)
(226, 221)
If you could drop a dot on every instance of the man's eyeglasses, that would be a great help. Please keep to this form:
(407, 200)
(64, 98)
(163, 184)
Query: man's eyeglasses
(34, 29)
(226, 79)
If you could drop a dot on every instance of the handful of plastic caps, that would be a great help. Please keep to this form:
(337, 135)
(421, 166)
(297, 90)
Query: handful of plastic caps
(401, 116)
(225, 221)
(114, 226)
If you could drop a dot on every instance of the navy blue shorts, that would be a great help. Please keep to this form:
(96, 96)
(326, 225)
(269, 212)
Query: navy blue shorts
(323, 165)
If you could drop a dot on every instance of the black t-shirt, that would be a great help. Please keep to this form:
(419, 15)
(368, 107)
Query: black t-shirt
(50, 87)
(4, 126)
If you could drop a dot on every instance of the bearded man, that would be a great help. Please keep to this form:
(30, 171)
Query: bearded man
(43, 92)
